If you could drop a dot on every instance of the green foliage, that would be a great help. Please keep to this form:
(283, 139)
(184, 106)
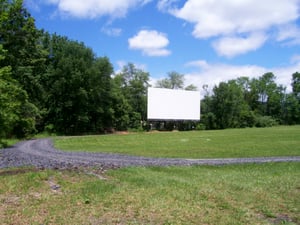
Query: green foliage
(291, 110)
(164, 83)
(174, 80)
(265, 121)
(191, 87)
(228, 104)
(17, 114)
(247, 119)
(59, 85)
(246, 103)
(100, 110)
(78, 88)
(131, 84)
(296, 84)
(24, 61)
(24, 55)
(200, 126)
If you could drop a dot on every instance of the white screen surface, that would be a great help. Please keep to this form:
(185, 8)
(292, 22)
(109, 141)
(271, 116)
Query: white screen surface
(169, 104)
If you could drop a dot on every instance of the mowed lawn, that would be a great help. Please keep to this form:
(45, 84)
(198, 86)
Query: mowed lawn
(249, 142)
(234, 194)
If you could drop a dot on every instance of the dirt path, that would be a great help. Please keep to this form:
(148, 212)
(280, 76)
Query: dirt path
(40, 153)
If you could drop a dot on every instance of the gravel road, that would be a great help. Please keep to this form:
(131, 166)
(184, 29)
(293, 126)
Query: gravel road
(40, 153)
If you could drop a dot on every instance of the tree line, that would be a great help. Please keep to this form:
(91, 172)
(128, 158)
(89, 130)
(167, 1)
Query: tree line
(245, 102)
(51, 83)
(242, 102)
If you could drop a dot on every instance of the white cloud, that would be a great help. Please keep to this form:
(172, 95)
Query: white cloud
(150, 42)
(232, 20)
(289, 34)
(96, 8)
(295, 58)
(212, 74)
(214, 17)
(121, 63)
(232, 46)
(111, 31)
(166, 5)
(33, 5)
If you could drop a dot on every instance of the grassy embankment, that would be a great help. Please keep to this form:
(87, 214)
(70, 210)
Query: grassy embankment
(234, 194)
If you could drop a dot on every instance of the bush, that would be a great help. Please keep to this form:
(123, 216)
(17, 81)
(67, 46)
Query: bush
(200, 126)
(247, 119)
(24, 128)
(50, 129)
(209, 121)
(3, 144)
(265, 121)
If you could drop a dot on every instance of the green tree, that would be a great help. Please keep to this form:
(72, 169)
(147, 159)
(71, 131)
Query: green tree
(291, 103)
(66, 85)
(17, 115)
(133, 83)
(121, 106)
(100, 99)
(164, 83)
(191, 87)
(174, 80)
(269, 96)
(208, 117)
(228, 105)
(25, 54)
(291, 111)
(296, 84)
(78, 87)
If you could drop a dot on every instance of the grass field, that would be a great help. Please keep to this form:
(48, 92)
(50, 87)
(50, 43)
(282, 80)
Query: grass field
(251, 142)
(266, 193)
(236, 194)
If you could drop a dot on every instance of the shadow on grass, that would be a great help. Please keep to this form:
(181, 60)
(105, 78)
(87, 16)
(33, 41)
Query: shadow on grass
(17, 171)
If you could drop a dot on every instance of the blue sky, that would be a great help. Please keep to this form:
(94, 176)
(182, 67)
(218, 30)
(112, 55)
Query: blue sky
(208, 41)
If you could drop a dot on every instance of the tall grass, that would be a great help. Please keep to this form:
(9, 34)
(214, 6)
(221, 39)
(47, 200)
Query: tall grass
(251, 142)
(235, 194)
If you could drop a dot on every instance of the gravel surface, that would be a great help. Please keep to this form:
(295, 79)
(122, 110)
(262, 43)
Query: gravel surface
(41, 154)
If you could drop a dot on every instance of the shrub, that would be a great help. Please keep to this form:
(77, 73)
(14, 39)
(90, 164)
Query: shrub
(200, 126)
(265, 121)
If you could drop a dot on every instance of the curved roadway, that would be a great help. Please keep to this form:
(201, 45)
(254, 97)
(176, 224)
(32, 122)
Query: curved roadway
(40, 153)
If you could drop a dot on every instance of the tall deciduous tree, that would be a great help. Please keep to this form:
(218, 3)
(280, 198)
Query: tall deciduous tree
(228, 104)
(121, 106)
(296, 84)
(134, 83)
(25, 54)
(164, 83)
(101, 108)
(17, 115)
(208, 117)
(174, 80)
(291, 110)
(78, 88)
